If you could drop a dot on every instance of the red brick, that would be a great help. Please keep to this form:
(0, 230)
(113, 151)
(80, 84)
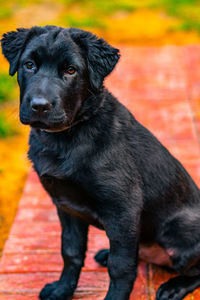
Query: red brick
(35, 228)
(18, 297)
(37, 215)
(45, 261)
(140, 291)
(33, 282)
(156, 277)
(42, 243)
(29, 263)
(50, 242)
(78, 296)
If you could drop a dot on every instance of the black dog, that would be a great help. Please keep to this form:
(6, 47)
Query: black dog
(101, 166)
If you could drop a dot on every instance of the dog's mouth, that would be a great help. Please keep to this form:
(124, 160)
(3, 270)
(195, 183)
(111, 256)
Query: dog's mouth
(39, 125)
(48, 128)
(60, 123)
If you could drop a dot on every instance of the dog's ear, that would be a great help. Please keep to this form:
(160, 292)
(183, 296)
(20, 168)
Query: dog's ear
(101, 57)
(12, 44)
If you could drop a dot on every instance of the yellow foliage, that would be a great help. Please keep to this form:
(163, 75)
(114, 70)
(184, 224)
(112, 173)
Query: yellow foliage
(13, 169)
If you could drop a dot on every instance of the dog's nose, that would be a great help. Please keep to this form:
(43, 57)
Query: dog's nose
(40, 105)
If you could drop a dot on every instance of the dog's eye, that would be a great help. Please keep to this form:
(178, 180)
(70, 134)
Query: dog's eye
(29, 65)
(70, 70)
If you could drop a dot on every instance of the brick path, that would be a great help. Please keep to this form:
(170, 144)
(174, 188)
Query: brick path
(161, 86)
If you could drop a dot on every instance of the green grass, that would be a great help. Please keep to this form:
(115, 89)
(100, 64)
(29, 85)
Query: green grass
(187, 11)
(190, 26)
(109, 7)
(5, 12)
(93, 11)
(6, 128)
(102, 6)
(87, 22)
(7, 86)
(7, 89)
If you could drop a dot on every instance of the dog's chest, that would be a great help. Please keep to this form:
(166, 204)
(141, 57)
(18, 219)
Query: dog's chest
(62, 177)
(72, 198)
(60, 159)
(50, 163)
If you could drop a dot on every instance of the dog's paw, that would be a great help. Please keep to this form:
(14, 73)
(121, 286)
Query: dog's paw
(174, 289)
(102, 257)
(55, 291)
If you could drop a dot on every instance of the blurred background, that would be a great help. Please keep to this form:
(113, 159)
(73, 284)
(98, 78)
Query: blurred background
(120, 22)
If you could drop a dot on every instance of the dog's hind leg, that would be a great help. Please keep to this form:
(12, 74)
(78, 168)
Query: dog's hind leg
(102, 257)
(177, 288)
(180, 237)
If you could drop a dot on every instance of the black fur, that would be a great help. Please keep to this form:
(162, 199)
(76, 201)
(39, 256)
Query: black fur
(99, 165)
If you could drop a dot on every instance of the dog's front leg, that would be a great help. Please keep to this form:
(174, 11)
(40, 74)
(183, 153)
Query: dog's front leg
(122, 264)
(74, 244)
(123, 233)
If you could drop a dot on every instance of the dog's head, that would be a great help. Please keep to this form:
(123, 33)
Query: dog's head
(57, 71)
